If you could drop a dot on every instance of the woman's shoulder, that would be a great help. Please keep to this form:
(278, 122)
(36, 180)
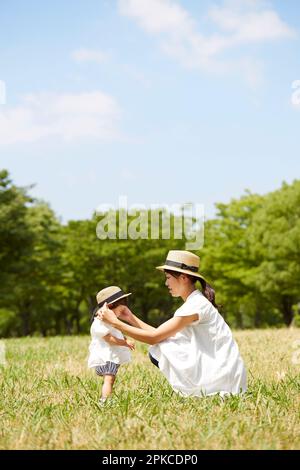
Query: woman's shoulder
(193, 304)
(196, 298)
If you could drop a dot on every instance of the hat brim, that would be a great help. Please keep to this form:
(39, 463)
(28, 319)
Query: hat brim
(109, 303)
(178, 270)
(119, 298)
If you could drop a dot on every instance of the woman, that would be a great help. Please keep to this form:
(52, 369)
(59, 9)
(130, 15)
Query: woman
(195, 349)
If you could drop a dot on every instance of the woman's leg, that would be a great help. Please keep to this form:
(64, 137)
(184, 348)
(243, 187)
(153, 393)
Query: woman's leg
(108, 383)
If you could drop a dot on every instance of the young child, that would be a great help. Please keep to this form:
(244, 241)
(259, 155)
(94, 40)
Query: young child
(108, 348)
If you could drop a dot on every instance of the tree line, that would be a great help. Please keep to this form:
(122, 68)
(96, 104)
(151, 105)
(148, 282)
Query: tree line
(50, 272)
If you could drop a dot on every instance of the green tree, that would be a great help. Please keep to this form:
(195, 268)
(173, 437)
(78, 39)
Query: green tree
(227, 262)
(15, 235)
(37, 278)
(275, 244)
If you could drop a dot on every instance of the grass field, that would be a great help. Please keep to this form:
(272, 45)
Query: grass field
(49, 400)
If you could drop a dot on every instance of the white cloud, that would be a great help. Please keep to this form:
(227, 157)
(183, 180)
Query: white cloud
(67, 116)
(236, 23)
(157, 16)
(89, 55)
(247, 27)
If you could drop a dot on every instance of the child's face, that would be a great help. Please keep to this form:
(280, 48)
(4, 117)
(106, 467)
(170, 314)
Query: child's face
(117, 310)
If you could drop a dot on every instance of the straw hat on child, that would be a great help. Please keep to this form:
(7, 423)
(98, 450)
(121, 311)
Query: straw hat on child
(110, 295)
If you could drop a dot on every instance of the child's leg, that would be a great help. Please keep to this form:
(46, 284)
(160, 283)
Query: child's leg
(108, 383)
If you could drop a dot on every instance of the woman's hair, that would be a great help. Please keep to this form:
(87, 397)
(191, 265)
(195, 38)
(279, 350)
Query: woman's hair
(207, 289)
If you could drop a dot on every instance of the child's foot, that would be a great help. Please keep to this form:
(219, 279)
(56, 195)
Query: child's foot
(109, 401)
(102, 401)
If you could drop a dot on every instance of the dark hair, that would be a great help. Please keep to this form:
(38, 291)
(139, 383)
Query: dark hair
(119, 302)
(207, 289)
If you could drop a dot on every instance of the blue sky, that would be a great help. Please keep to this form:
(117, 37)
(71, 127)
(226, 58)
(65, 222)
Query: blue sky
(163, 101)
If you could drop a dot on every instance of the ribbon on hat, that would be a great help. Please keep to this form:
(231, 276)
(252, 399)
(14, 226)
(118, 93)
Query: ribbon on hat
(175, 264)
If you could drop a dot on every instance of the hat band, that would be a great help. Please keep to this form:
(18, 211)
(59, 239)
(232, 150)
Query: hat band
(110, 299)
(174, 264)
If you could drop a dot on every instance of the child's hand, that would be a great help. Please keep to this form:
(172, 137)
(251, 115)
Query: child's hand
(130, 345)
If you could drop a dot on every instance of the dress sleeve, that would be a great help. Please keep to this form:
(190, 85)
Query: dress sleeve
(100, 328)
(198, 306)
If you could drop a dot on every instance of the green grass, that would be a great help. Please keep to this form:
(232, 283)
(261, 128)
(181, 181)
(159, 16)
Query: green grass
(49, 400)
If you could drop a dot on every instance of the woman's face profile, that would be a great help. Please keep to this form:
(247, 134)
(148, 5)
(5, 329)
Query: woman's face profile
(174, 285)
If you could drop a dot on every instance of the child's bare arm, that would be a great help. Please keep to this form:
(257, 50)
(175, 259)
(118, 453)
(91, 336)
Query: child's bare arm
(118, 342)
(114, 341)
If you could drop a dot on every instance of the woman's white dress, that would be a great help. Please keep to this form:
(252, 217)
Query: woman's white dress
(203, 358)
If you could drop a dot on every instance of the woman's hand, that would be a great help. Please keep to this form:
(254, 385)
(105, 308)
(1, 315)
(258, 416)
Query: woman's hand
(126, 314)
(107, 315)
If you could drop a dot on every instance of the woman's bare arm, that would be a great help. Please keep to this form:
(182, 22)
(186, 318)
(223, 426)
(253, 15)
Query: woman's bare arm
(149, 336)
(138, 323)
(133, 320)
